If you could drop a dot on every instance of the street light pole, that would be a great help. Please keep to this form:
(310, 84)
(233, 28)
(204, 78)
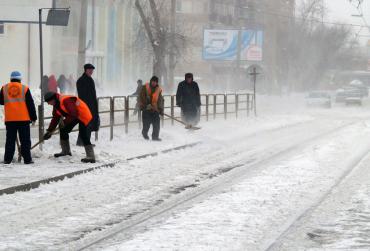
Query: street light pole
(61, 19)
(41, 107)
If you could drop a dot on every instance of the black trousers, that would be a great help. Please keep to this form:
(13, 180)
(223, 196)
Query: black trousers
(25, 139)
(149, 118)
(79, 139)
(82, 129)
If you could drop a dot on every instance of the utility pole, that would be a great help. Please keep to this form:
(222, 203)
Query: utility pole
(82, 36)
(172, 45)
(238, 6)
(254, 75)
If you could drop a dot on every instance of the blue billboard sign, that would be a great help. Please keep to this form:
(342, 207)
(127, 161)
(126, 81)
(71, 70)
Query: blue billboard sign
(223, 45)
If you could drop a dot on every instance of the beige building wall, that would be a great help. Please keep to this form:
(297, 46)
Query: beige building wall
(19, 45)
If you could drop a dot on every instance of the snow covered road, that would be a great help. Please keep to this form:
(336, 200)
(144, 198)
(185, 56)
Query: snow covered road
(238, 190)
(250, 214)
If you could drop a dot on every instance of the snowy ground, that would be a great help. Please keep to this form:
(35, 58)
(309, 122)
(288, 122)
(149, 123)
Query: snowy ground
(241, 188)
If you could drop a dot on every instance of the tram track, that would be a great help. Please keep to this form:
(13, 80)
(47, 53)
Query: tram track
(232, 175)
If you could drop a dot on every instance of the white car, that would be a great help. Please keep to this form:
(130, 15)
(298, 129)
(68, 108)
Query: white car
(318, 99)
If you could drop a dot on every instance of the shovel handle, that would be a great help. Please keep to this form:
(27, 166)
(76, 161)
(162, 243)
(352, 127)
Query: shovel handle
(19, 149)
(38, 143)
(169, 116)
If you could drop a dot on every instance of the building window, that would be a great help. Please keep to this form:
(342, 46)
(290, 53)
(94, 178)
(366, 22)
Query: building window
(184, 6)
(2, 29)
(178, 6)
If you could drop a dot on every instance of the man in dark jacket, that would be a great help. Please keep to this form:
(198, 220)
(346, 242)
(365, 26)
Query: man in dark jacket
(19, 112)
(151, 103)
(188, 98)
(86, 91)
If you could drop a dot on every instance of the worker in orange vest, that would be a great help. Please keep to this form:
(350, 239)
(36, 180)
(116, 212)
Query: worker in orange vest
(151, 103)
(19, 111)
(74, 111)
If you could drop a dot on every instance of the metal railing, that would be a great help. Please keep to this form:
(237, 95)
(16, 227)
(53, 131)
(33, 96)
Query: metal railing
(117, 110)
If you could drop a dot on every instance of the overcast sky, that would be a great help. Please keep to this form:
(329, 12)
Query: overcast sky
(341, 11)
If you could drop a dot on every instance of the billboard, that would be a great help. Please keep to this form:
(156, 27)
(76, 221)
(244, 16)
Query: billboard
(220, 44)
(223, 44)
(252, 42)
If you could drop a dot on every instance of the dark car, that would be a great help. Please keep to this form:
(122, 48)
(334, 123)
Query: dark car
(353, 96)
(357, 84)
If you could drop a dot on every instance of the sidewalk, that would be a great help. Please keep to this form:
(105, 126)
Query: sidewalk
(46, 166)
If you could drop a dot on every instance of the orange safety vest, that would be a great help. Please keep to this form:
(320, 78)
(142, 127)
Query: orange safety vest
(84, 113)
(15, 102)
(153, 96)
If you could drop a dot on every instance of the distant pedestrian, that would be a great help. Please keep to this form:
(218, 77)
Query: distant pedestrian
(71, 83)
(52, 84)
(137, 93)
(62, 83)
(86, 92)
(151, 103)
(19, 111)
(188, 98)
(44, 84)
(139, 85)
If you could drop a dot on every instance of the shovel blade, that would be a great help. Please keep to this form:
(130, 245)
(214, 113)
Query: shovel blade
(191, 127)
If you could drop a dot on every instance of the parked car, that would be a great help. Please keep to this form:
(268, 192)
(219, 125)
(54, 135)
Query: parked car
(357, 84)
(353, 97)
(318, 99)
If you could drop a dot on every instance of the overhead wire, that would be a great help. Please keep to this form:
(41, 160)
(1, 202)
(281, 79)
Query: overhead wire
(309, 19)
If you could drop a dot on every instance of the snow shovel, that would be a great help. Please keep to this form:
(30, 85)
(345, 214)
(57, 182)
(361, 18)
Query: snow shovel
(187, 126)
(38, 143)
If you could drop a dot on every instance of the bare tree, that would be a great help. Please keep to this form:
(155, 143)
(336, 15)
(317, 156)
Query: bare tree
(165, 41)
(309, 48)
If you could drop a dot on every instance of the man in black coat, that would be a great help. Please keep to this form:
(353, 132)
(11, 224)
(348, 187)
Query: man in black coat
(86, 91)
(188, 98)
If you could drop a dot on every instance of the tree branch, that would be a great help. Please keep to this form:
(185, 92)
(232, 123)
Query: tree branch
(145, 21)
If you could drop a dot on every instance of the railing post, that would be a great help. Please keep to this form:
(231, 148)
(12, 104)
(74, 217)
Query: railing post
(127, 114)
(225, 106)
(111, 106)
(207, 108)
(97, 132)
(162, 117)
(139, 117)
(172, 109)
(41, 125)
(214, 106)
(248, 105)
(236, 105)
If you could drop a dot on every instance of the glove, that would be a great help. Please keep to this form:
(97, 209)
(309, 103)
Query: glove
(47, 135)
(149, 107)
(161, 112)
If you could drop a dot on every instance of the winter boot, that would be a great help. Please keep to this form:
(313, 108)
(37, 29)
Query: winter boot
(66, 149)
(90, 156)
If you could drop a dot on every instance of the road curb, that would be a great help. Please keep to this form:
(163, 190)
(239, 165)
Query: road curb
(36, 184)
